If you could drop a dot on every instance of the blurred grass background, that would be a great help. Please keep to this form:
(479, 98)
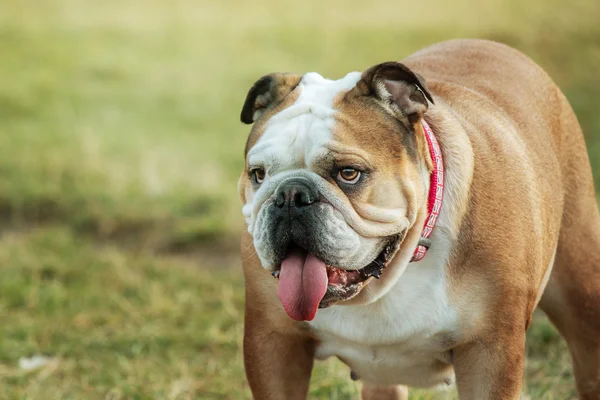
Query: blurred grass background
(120, 148)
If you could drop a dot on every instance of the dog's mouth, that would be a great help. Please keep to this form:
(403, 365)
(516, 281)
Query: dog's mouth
(306, 283)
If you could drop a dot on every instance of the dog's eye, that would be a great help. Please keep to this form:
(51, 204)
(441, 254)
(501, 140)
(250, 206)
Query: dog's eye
(258, 175)
(348, 175)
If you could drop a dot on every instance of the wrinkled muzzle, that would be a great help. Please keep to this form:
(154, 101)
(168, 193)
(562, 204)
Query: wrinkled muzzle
(300, 208)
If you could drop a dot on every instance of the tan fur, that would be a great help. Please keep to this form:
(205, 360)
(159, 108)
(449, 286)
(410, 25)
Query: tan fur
(369, 392)
(511, 137)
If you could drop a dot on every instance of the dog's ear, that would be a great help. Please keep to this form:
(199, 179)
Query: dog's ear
(266, 92)
(400, 90)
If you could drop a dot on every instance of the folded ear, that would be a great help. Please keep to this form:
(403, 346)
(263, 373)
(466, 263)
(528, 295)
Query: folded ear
(266, 92)
(401, 90)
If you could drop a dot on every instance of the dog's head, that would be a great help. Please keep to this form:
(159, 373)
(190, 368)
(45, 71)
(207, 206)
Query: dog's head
(335, 176)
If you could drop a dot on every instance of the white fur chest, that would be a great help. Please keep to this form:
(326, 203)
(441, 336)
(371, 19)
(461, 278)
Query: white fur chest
(403, 338)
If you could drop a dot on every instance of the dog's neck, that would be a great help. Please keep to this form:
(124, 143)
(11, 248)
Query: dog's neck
(458, 166)
(458, 173)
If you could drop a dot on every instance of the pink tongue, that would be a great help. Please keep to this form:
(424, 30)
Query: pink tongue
(302, 285)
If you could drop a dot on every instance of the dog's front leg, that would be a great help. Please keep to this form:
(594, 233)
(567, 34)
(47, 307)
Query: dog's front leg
(491, 368)
(278, 365)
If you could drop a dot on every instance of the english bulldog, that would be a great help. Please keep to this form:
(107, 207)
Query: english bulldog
(409, 219)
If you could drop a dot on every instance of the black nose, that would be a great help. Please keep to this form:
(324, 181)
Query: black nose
(295, 192)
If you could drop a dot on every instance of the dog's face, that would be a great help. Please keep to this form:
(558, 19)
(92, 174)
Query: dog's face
(335, 175)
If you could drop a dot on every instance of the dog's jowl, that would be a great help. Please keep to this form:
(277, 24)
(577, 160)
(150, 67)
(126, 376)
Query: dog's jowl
(408, 219)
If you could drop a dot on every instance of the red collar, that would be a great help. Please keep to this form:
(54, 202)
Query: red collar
(436, 193)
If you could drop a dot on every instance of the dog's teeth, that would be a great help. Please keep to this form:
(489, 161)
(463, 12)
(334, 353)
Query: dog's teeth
(376, 274)
(275, 274)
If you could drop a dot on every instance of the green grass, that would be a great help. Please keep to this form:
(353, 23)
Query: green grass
(120, 149)
(135, 325)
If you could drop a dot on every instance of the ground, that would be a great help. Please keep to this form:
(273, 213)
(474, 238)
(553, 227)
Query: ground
(120, 148)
